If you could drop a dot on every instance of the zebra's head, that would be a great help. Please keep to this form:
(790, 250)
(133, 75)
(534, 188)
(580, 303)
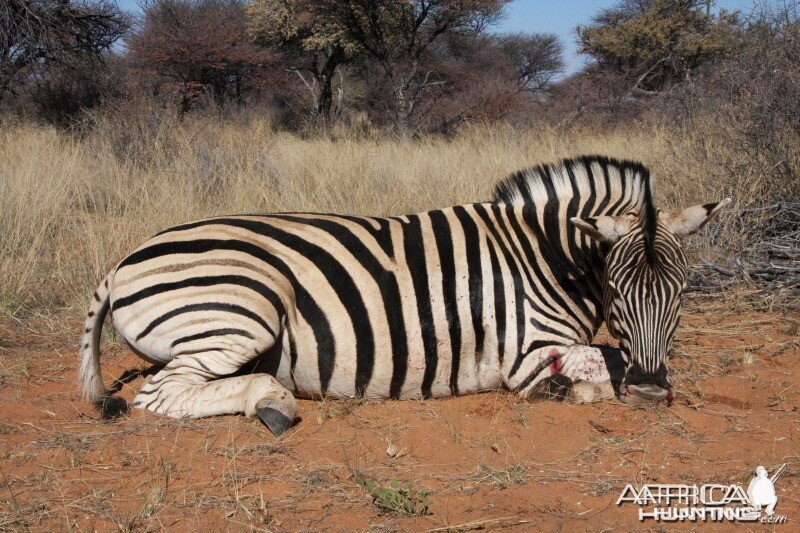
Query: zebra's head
(645, 273)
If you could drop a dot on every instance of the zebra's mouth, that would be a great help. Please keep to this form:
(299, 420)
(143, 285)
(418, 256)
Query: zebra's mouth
(650, 392)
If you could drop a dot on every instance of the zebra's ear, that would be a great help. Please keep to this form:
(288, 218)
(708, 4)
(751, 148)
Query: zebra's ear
(690, 220)
(605, 228)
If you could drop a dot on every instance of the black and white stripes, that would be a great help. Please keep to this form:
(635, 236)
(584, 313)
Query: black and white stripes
(440, 303)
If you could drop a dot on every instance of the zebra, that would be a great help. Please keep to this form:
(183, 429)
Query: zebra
(498, 294)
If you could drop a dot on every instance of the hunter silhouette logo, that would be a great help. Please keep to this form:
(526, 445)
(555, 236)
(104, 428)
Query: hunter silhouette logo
(761, 490)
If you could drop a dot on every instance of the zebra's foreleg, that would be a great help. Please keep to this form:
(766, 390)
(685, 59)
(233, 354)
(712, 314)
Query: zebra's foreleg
(579, 369)
(190, 386)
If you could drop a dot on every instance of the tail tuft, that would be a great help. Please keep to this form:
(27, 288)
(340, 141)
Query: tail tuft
(112, 407)
(89, 370)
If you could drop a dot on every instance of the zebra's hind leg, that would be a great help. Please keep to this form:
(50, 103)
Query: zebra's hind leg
(577, 372)
(191, 386)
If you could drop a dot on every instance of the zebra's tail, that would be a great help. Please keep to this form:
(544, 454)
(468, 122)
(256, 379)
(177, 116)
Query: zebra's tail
(89, 372)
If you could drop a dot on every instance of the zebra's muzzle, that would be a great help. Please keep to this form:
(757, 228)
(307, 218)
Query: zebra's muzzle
(652, 387)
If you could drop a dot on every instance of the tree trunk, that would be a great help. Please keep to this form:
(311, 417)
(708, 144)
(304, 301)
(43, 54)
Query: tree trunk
(239, 100)
(401, 121)
(325, 99)
(7, 72)
(325, 80)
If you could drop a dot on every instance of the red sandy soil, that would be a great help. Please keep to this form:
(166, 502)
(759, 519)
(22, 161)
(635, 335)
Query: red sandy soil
(489, 461)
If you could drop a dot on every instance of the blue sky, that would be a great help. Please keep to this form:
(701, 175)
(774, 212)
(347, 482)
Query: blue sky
(551, 16)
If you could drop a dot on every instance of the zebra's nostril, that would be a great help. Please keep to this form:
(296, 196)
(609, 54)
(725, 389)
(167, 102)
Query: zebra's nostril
(636, 376)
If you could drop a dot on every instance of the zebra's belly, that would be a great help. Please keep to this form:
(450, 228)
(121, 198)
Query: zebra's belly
(388, 376)
(310, 389)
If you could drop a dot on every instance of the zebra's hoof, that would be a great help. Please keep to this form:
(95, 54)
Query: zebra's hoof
(277, 422)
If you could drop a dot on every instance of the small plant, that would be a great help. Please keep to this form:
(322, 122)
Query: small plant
(747, 358)
(778, 398)
(727, 363)
(395, 499)
(782, 347)
(521, 416)
(502, 476)
(456, 433)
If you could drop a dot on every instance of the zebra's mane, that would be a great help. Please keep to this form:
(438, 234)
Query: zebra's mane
(625, 183)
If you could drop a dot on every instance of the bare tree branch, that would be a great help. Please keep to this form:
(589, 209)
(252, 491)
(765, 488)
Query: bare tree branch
(34, 33)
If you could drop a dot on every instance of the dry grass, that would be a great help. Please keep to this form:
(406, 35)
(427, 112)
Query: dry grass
(71, 206)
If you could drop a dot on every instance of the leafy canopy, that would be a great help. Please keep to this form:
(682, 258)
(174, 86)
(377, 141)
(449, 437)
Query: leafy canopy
(663, 39)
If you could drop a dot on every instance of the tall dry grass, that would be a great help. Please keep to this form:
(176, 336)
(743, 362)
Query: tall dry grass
(72, 205)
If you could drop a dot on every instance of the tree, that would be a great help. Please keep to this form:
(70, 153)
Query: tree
(656, 42)
(398, 34)
(489, 78)
(62, 92)
(35, 34)
(537, 58)
(199, 47)
(312, 45)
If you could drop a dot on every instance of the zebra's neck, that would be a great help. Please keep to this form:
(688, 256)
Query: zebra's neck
(572, 266)
(562, 270)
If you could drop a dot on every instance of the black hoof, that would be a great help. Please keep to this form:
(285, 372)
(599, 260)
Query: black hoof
(112, 407)
(276, 421)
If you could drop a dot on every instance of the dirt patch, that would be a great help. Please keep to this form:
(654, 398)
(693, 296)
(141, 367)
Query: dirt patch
(488, 461)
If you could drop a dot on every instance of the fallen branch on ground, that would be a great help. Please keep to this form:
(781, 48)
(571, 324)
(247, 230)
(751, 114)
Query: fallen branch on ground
(771, 264)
